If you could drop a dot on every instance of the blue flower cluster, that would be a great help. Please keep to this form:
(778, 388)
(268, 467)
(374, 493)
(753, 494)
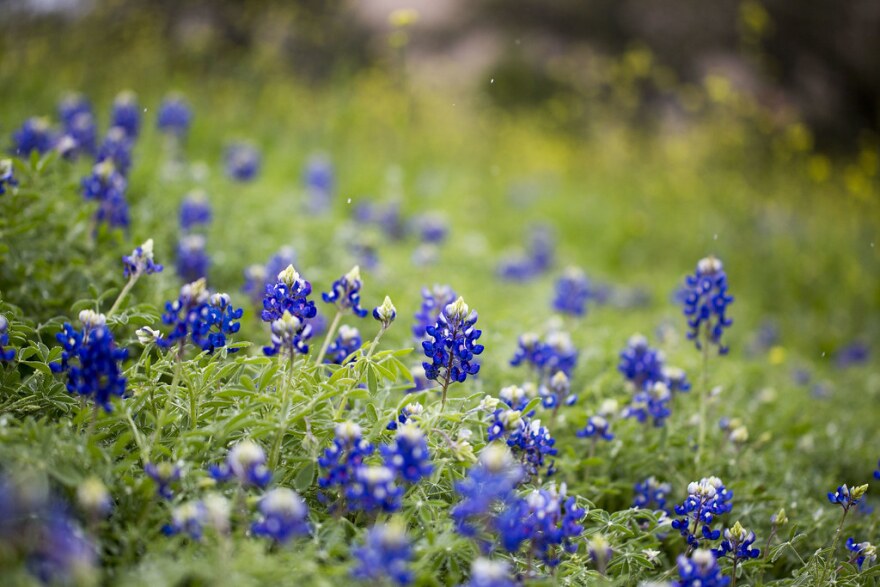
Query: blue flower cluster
(700, 570)
(126, 114)
(175, 116)
(284, 516)
(206, 319)
(78, 123)
(288, 336)
(192, 258)
(406, 413)
(141, 261)
(319, 182)
(116, 148)
(705, 303)
(706, 499)
(7, 177)
(347, 341)
(651, 494)
(34, 135)
(641, 364)
(385, 555)
(434, 300)
(572, 292)
(737, 544)
(195, 210)
(289, 293)
(863, 552)
(597, 428)
(551, 524)
(557, 392)
(490, 573)
(528, 440)
(345, 293)
(5, 353)
(538, 257)
(344, 458)
(107, 186)
(546, 358)
(408, 454)
(257, 277)
(91, 360)
(246, 463)
(848, 497)
(242, 161)
(654, 383)
(164, 474)
(489, 484)
(454, 345)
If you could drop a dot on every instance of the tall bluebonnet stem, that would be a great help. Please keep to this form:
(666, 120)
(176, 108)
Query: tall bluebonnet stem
(345, 294)
(705, 306)
(737, 545)
(847, 498)
(384, 556)
(453, 347)
(706, 499)
(140, 262)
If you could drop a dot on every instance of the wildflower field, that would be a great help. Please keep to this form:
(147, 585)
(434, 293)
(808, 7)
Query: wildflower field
(259, 331)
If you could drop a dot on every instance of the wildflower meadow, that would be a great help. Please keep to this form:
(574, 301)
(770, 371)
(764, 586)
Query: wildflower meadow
(261, 330)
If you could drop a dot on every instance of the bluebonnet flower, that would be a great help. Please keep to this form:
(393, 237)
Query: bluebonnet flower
(705, 303)
(490, 573)
(536, 260)
(91, 360)
(93, 497)
(433, 302)
(641, 364)
(652, 402)
(385, 554)
(651, 494)
(126, 114)
(408, 454)
(5, 353)
(289, 334)
(420, 381)
(242, 162)
(116, 148)
(319, 182)
(113, 212)
(284, 515)
(175, 116)
(856, 353)
(71, 105)
(187, 518)
(554, 522)
(348, 341)
(386, 313)
(81, 128)
(706, 499)
(600, 552)
(516, 267)
(206, 319)
(34, 135)
(572, 291)
(345, 293)
(454, 346)
(546, 358)
(864, 552)
(245, 462)
(288, 294)
(387, 217)
(490, 482)
(543, 245)
(847, 497)
(344, 458)
(141, 262)
(557, 392)
(7, 176)
(373, 488)
(195, 210)
(597, 427)
(532, 443)
(408, 411)
(63, 552)
(431, 228)
(516, 398)
(676, 379)
(737, 544)
(164, 474)
(192, 258)
(700, 570)
(104, 183)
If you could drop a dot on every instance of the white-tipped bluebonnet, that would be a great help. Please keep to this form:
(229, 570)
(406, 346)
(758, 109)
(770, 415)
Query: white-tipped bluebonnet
(93, 497)
(490, 573)
(141, 262)
(408, 454)
(206, 319)
(246, 463)
(408, 411)
(343, 459)
(126, 113)
(91, 360)
(187, 518)
(284, 515)
(107, 186)
(490, 481)
(164, 474)
(528, 440)
(192, 257)
(431, 227)
(557, 392)
(82, 129)
(289, 334)
(572, 292)
(640, 364)
(454, 346)
(386, 313)
(516, 397)
(706, 499)
(348, 340)
(7, 176)
(71, 105)
(433, 302)
(651, 494)
(597, 428)
(373, 488)
(705, 303)
(288, 293)
(175, 116)
(34, 135)
(847, 497)
(195, 210)
(600, 552)
(242, 161)
(116, 147)
(700, 570)
(650, 403)
(548, 357)
(319, 182)
(345, 293)
(63, 554)
(737, 544)
(676, 379)
(863, 552)
(6, 354)
(385, 555)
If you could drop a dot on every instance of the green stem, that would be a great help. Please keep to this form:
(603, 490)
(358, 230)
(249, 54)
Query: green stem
(704, 392)
(131, 281)
(834, 543)
(331, 331)
(138, 439)
(344, 401)
(733, 573)
(285, 406)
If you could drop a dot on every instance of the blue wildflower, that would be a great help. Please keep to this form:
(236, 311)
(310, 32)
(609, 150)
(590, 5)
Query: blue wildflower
(175, 116)
(408, 411)
(7, 176)
(847, 497)
(652, 403)
(289, 336)
(104, 183)
(34, 135)
(246, 463)
(345, 293)
(433, 302)
(863, 552)
(387, 217)
(386, 313)
(206, 319)
(84, 132)
(126, 114)
(373, 488)
(676, 379)
(490, 573)
(5, 353)
(600, 552)
(188, 518)
(431, 228)
(385, 555)
(453, 347)
(572, 291)
(72, 105)
(289, 293)
(63, 551)
(284, 515)
(853, 354)
(490, 482)
(532, 443)
(554, 523)
(420, 381)
(700, 570)
(516, 398)
(192, 258)
(92, 496)
(705, 303)
(195, 210)
(117, 148)
(557, 392)
(737, 544)
(242, 162)
(319, 182)
(347, 342)
(706, 499)
(877, 472)
(164, 474)
(651, 494)
(141, 262)
(597, 427)
(344, 458)
(640, 364)
(408, 454)
(546, 358)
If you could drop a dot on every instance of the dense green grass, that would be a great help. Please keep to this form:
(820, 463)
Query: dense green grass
(631, 206)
